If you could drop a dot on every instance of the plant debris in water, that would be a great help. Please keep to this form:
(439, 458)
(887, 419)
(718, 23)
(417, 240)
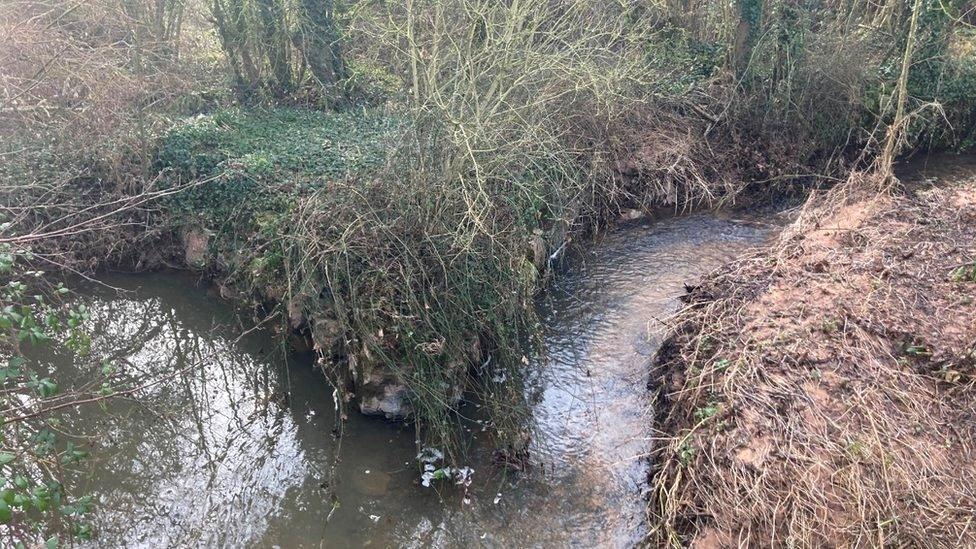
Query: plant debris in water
(429, 457)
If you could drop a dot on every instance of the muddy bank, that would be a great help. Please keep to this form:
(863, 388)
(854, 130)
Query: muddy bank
(820, 392)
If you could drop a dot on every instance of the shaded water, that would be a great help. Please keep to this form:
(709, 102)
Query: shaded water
(238, 451)
(937, 169)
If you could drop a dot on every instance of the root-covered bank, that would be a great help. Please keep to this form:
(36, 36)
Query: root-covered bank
(821, 391)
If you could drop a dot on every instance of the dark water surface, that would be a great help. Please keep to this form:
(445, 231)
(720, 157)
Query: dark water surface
(238, 450)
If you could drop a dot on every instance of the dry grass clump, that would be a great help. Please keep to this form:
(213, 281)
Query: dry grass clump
(83, 79)
(822, 392)
(84, 89)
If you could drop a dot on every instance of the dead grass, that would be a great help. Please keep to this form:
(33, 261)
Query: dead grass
(821, 392)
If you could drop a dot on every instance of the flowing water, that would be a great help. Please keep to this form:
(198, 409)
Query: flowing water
(236, 446)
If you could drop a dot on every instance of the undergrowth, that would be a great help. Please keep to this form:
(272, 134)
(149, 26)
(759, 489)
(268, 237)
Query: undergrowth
(409, 240)
(416, 241)
(262, 159)
(415, 233)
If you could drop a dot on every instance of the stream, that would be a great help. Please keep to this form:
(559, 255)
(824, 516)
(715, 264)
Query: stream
(238, 451)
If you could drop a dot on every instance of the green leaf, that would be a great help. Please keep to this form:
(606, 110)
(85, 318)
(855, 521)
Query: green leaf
(46, 388)
(6, 457)
(83, 531)
(40, 503)
(21, 500)
(41, 497)
(5, 512)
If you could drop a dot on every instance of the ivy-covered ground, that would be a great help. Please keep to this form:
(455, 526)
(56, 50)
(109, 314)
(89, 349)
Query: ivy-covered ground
(260, 160)
(250, 168)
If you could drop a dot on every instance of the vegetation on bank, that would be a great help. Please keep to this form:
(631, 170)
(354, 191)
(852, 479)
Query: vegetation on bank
(260, 162)
(37, 505)
(415, 233)
(397, 176)
(820, 391)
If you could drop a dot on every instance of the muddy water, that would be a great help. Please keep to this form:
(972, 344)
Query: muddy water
(238, 451)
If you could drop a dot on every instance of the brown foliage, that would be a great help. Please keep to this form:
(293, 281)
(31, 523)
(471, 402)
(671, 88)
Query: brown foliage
(91, 81)
(820, 393)
(84, 88)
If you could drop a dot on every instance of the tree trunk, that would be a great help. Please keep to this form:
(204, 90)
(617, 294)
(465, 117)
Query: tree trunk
(318, 40)
(897, 127)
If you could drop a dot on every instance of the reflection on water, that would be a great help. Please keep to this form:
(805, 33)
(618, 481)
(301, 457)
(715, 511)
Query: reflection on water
(234, 451)
(604, 321)
(238, 450)
(941, 168)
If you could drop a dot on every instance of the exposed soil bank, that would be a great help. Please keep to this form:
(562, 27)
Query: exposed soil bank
(821, 391)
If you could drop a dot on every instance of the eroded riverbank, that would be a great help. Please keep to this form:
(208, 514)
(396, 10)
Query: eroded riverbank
(240, 450)
(820, 392)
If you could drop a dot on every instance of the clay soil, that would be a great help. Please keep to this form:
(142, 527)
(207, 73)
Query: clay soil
(822, 391)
